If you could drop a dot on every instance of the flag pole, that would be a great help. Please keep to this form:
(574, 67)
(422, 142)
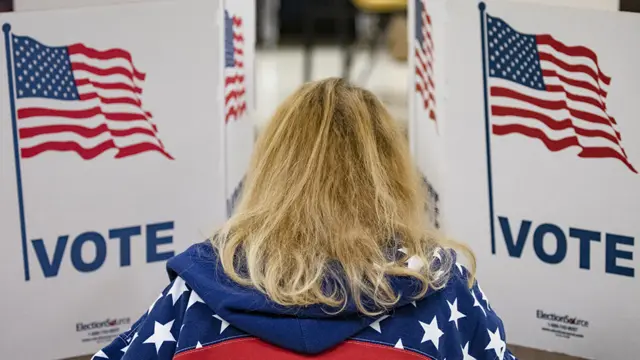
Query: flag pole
(487, 123)
(6, 28)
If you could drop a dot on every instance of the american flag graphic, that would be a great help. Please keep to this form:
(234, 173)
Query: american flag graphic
(234, 88)
(79, 99)
(425, 86)
(432, 206)
(546, 90)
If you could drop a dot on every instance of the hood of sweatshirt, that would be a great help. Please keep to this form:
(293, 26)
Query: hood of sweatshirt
(308, 330)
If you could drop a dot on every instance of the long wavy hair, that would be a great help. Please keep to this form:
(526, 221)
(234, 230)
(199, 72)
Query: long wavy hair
(332, 186)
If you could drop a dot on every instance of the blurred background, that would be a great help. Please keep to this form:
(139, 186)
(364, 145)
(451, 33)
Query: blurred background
(302, 40)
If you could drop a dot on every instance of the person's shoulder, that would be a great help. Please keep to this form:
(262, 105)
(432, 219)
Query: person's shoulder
(461, 296)
(201, 255)
(454, 321)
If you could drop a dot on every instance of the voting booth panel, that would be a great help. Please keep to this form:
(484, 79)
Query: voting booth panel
(112, 160)
(427, 70)
(540, 154)
(31, 5)
(239, 96)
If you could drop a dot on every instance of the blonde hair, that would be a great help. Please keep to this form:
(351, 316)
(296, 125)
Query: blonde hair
(331, 194)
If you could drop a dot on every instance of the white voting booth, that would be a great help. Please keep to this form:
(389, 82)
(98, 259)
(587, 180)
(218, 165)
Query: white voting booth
(533, 148)
(125, 133)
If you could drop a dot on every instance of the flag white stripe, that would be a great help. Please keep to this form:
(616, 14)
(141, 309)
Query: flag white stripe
(558, 115)
(580, 76)
(101, 64)
(86, 143)
(551, 95)
(79, 105)
(585, 141)
(573, 60)
(89, 123)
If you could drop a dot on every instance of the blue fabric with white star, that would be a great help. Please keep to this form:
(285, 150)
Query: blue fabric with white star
(202, 307)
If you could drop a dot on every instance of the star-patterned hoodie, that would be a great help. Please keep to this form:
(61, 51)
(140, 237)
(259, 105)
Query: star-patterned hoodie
(203, 315)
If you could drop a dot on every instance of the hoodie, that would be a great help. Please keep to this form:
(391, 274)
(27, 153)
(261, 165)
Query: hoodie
(202, 314)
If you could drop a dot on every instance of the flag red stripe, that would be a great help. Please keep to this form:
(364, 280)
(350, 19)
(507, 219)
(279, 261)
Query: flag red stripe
(230, 80)
(561, 144)
(498, 91)
(550, 122)
(86, 132)
(428, 94)
(422, 63)
(86, 154)
(577, 83)
(238, 37)
(237, 21)
(573, 51)
(109, 86)
(141, 148)
(105, 55)
(425, 77)
(93, 152)
(553, 145)
(26, 113)
(604, 152)
(114, 70)
(576, 97)
(235, 111)
(233, 95)
(107, 100)
(575, 68)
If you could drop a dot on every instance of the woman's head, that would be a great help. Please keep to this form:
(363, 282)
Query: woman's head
(331, 186)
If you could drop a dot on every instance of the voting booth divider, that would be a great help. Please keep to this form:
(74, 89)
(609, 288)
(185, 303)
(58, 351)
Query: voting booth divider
(125, 134)
(525, 123)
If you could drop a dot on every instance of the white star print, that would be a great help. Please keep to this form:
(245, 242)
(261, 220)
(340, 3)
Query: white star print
(455, 313)
(376, 324)
(161, 334)
(100, 354)
(496, 343)
(399, 344)
(460, 267)
(414, 304)
(484, 297)
(476, 303)
(465, 353)
(431, 332)
(193, 298)
(198, 345)
(159, 296)
(223, 323)
(177, 289)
